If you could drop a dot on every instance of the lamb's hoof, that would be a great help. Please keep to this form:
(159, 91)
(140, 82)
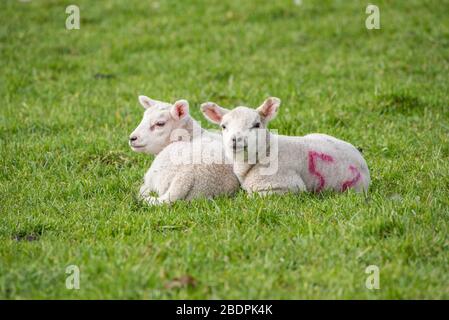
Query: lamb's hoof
(153, 201)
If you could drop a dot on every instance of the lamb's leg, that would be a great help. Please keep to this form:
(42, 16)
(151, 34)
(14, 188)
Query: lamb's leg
(295, 185)
(179, 189)
(264, 193)
(144, 191)
(152, 201)
(145, 195)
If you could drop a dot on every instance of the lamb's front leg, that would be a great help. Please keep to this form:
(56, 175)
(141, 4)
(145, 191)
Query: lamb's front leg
(153, 201)
(144, 191)
(264, 193)
(278, 185)
(145, 194)
(179, 189)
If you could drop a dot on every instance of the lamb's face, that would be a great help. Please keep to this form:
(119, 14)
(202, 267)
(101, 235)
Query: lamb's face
(159, 121)
(242, 126)
(239, 126)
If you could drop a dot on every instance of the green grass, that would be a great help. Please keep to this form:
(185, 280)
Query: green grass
(68, 178)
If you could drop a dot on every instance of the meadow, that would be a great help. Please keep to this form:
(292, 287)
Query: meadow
(68, 179)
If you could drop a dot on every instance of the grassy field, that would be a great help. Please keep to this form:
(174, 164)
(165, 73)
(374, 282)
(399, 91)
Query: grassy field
(68, 180)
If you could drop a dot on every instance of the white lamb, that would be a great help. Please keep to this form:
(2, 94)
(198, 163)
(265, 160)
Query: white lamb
(178, 172)
(314, 162)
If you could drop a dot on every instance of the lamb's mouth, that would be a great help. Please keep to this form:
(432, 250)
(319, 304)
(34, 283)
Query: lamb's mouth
(138, 147)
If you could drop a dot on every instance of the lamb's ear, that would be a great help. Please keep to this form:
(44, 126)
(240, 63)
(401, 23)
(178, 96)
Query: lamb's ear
(269, 108)
(213, 112)
(147, 102)
(180, 109)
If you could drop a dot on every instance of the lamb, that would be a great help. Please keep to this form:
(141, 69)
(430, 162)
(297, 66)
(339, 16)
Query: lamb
(178, 172)
(315, 162)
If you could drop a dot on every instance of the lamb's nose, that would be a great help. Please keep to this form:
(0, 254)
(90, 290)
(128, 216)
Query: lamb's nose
(133, 138)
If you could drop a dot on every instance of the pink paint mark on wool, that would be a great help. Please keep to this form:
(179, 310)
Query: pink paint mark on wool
(313, 155)
(350, 183)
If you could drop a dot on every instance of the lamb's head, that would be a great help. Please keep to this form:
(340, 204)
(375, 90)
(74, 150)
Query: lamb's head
(241, 124)
(160, 121)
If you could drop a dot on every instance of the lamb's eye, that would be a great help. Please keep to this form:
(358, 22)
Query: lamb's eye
(223, 126)
(160, 123)
(256, 125)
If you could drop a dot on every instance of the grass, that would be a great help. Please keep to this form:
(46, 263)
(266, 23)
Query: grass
(68, 101)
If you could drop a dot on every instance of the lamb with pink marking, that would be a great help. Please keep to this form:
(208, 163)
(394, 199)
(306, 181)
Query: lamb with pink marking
(315, 162)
